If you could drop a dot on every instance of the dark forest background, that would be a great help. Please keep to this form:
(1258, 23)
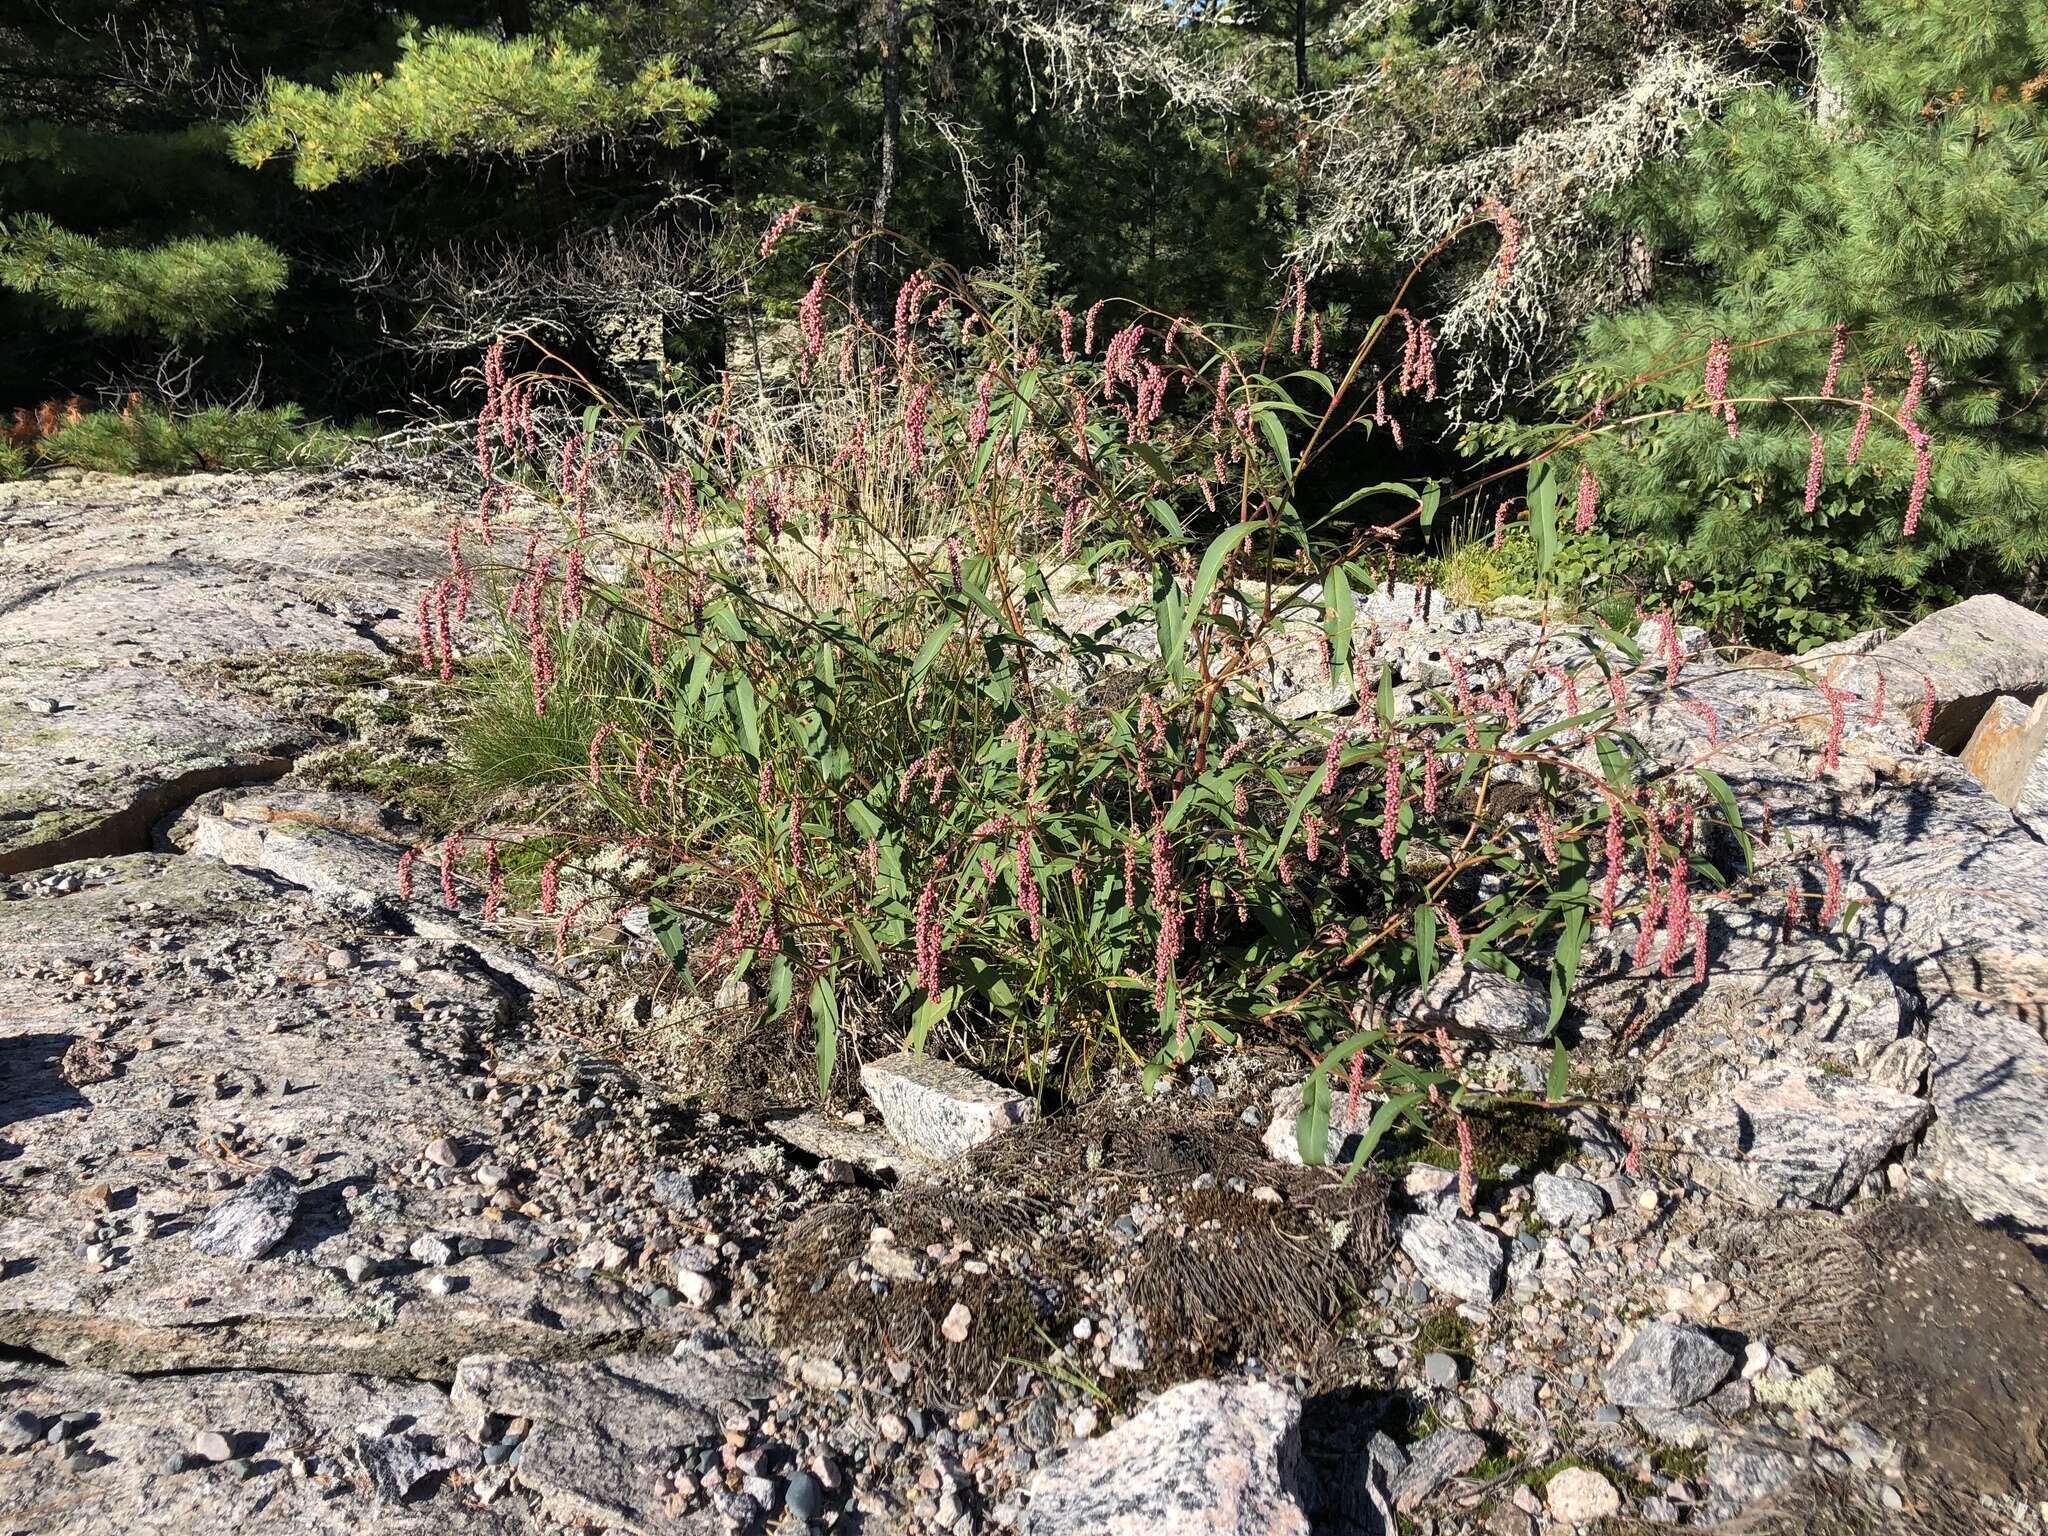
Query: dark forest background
(335, 207)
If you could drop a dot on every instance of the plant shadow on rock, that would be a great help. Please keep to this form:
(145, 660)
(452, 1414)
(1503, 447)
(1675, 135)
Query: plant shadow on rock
(1214, 1270)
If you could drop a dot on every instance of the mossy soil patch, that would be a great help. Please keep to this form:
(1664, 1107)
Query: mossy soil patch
(388, 726)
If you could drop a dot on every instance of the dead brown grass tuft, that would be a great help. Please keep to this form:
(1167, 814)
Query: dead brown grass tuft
(1219, 1273)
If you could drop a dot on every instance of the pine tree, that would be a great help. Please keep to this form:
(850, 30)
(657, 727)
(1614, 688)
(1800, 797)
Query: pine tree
(464, 95)
(187, 289)
(1901, 206)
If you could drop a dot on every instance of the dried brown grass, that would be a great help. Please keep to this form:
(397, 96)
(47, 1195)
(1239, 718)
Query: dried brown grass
(1222, 1274)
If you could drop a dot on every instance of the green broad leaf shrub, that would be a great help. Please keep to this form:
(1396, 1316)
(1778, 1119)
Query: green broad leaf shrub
(939, 699)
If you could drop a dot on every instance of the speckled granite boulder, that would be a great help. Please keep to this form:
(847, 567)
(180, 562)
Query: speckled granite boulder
(324, 1455)
(1208, 1458)
(1483, 1005)
(1802, 1136)
(116, 593)
(1666, 1366)
(939, 1110)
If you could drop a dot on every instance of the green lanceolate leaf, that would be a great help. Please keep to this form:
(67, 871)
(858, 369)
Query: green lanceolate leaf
(825, 1031)
(1169, 618)
(864, 945)
(1725, 798)
(1564, 965)
(1427, 503)
(747, 711)
(1376, 1129)
(1212, 563)
(1340, 615)
(1295, 811)
(928, 653)
(1312, 1125)
(1543, 513)
(1560, 1073)
(1384, 488)
(1275, 433)
(863, 820)
(929, 1012)
(1424, 943)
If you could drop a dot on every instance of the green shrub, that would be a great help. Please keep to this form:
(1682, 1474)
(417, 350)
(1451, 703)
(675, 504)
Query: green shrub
(1889, 245)
(852, 711)
(148, 440)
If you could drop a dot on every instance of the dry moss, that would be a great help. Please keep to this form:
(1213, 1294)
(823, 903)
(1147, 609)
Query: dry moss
(1218, 1273)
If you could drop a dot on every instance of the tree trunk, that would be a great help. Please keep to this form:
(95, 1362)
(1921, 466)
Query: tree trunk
(515, 17)
(892, 130)
(1300, 97)
(202, 36)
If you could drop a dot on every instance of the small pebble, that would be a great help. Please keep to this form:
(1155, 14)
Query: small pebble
(804, 1496)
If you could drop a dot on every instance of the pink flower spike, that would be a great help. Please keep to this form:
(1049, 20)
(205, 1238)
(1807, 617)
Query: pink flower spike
(494, 881)
(1862, 429)
(1910, 401)
(1831, 749)
(1510, 229)
(1705, 712)
(1816, 459)
(1714, 382)
(927, 938)
(1027, 886)
(1391, 801)
(1916, 499)
(1926, 708)
(551, 883)
(1468, 1185)
(1332, 750)
(1610, 883)
(1587, 501)
(1836, 353)
(776, 230)
(450, 846)
(405, 864)
(1831, 898)
(1450, 921)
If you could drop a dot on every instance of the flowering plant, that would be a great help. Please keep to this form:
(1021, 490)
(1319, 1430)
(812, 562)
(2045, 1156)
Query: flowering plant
(958, 689)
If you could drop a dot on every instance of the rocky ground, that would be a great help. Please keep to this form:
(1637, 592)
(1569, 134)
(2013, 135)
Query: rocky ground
(323, 1210)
